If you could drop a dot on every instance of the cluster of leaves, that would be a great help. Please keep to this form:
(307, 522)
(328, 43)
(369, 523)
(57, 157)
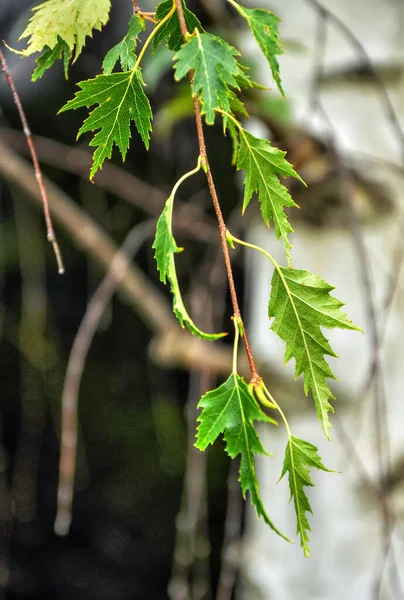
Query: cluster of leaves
(300, 303)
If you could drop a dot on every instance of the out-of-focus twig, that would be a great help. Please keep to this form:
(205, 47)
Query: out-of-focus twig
(380, 401)
(117, 181)
(38, 173)
(75, 367)
(172, 346)
(32, 337)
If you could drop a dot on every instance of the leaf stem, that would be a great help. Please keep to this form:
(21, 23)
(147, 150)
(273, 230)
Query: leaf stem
(212, 189)
(237, 7)
(151, 36)
(181, 180)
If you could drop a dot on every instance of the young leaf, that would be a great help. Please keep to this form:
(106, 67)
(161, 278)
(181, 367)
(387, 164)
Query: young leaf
(171, 30)
(300, 304)
(264, 26)
(264, 165)
(165, 246)
(215, 69)
(70, 20)
(231, 409)
(49, 57)
(300, 457)
(121, 99)
(125, 50)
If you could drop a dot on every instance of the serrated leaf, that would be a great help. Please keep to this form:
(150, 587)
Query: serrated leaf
(231, 409)
(264, 26)
(300, 457)
(215, 69)
(171, 30)
(121, 99)
(300, 305)
(124, 51)
(49, 56)
(165, 247)
(264, 165)
(70, 20)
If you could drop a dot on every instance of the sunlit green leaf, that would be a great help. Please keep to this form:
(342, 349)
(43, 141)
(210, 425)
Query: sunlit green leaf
(300, 305)
(264, 166)
(124, 51)
(300, 457)
(231, 410)
(121, 99)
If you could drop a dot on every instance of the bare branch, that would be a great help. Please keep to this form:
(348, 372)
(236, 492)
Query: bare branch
(38, 173)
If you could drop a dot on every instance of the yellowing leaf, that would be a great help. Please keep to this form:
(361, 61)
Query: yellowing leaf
(70, 20)
(121, 99)
(300, 304)
(231, 409)
(300, 457)
(264, 165)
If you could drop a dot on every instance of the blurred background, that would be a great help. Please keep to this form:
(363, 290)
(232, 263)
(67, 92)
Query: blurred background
(152, 516)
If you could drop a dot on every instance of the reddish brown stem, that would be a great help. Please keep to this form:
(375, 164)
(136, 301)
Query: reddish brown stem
(38, 174)
(216, 204)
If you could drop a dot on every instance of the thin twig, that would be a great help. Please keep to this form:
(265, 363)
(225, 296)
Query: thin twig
(222, 226)
(75, 367)
(38, 173)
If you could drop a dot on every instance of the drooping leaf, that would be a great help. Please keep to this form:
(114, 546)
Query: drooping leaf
(49, 56)
(124, 51)
(70, 20)
(264, 26)
(300, 305)
(165, 247)
(231, 409)
(264, 165)
(121, 99)
(171, 30)
(300, 457)
(215, 70)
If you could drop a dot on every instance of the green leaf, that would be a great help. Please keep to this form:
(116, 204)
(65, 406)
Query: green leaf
(165, 247)
(121, 99)
(125, 50)
(231, 409)
(49, 57)
(215, 70)
(300, 457)
(300, 304)
(264, 165)
(171, 30)
(70, 20)
(264, 26)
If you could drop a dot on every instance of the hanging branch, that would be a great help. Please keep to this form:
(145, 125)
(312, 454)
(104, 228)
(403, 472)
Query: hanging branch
(212, 189)
(38, 173)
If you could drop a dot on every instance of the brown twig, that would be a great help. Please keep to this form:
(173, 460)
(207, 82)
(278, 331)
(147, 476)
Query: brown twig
(38, 173)
(222, 226)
